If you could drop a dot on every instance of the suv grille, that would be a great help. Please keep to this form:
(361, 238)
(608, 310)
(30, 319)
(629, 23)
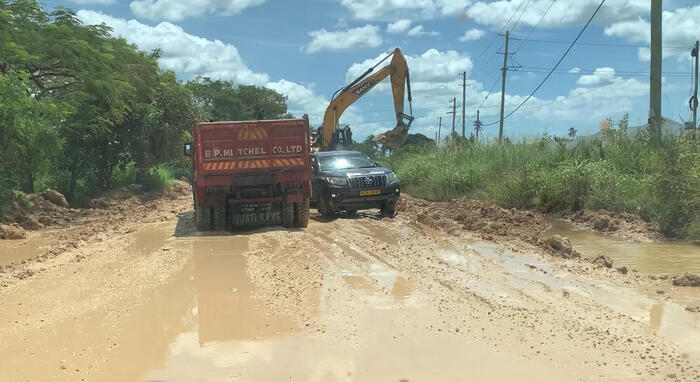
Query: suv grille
(372, 181)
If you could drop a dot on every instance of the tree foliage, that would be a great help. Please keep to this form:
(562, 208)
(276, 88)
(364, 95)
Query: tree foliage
(78, 105)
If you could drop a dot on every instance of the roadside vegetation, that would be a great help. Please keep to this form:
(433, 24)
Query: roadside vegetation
(82, 112)
(617, 173)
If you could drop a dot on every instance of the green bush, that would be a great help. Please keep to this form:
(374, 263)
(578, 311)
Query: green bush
(124, 174)
(616, 173)
(157, 178)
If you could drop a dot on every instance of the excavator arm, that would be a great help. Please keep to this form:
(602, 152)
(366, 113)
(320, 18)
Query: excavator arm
(397, 70)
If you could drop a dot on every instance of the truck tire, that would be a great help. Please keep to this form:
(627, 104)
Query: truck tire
(301, 213)
(389, 209)
(203, 218)
(220, 218)
(287, 215)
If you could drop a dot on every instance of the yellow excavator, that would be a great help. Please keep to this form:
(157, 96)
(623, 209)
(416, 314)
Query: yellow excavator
(332, 136)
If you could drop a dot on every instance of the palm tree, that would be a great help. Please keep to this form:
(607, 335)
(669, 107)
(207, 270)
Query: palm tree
(572, 132)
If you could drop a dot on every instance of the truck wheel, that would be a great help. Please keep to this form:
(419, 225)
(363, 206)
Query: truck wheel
(220, 218)
(389, 209)
(203, 218)
(287, 215)
(301, 213)
(324, 208)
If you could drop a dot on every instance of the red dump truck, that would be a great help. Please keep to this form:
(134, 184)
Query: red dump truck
(251, 173)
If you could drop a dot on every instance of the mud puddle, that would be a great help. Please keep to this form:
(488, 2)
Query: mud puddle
(537, 278)
(16, 251)
(653, 258)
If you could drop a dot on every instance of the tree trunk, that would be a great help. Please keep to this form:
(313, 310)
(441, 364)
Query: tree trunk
(72, 185)
(28, 183)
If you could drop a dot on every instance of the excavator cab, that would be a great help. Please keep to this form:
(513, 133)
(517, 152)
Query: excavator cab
(340, 140)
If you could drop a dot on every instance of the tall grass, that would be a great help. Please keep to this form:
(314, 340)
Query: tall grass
(616, 173)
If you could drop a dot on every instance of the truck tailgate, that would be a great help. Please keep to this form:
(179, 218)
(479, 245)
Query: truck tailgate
(231, 147)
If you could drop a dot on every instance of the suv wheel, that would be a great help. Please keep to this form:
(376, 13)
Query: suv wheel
(324, 207)
(389, 209)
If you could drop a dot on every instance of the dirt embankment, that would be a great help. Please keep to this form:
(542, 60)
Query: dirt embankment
(625, 225)
(488, 220)
(517, 229)
(118, 211)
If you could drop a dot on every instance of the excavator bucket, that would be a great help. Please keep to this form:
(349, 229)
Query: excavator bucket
(394, 137)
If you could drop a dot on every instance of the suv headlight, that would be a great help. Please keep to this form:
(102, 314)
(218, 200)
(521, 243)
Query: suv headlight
(390, 178)
(336, 180)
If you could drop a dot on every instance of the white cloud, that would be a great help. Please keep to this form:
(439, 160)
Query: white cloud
(601, 76)
(301, 100)
(399, 26)
(101, 2)
(633, 30)
(418, 31)
(472, 35)
(396, 9)
(575, 69)
(181, 52)
(177, 10)
(361, 37)
(681, 27)
(563, 12)
(431, 66)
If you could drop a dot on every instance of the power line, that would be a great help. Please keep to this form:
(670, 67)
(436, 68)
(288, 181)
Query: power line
(536, 25)
(557, 64)
(598, 71)
(526, 39)
(521, 16)
(646, 68)
(499, 32)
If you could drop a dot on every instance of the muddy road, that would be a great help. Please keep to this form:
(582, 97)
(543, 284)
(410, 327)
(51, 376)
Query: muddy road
(355, 299)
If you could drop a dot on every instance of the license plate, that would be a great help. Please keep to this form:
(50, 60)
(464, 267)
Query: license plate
(370, 192)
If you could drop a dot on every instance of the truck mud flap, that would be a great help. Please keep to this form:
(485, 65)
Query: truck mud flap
(256, 214)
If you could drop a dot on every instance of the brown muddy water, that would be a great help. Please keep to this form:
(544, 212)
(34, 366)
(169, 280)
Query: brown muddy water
(16, 251)
(662, 257)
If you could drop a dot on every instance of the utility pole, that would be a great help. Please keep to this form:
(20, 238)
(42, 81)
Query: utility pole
(504, 70)
(453, 112)
(464, 99)
(655, 120)
(438, 136)
(477, 125)
(694, 100)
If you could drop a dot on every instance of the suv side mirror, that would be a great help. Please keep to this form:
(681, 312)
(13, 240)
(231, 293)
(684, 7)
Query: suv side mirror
(377, 164)
(188, 149)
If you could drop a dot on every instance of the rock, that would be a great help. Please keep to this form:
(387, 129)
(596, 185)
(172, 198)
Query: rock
(31, 223)
(660, 291)
(694, 309)
(687, 279)
(100, 203)
(622, 270)
(181, 188)
(55, 197)
(12, 232)
(135, 188)
(562, 245)
(603, 261)
(601, 223)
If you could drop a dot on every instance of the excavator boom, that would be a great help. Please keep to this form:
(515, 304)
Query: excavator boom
(397, 70)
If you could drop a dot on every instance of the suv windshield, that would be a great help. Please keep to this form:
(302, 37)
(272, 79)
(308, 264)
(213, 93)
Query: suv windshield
(344, 161)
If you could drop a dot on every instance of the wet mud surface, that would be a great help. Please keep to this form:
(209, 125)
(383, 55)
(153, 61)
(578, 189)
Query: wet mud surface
(357, 298)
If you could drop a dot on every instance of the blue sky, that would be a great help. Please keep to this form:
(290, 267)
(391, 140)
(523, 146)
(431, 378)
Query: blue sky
(308, 49)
